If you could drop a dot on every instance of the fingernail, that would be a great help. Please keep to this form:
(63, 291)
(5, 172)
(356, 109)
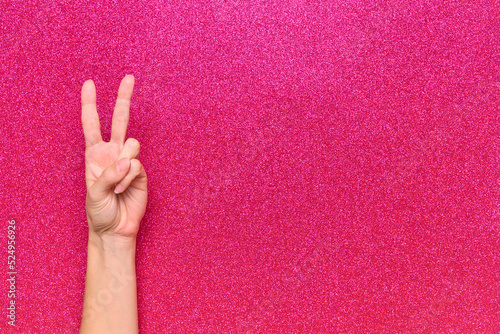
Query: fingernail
(118, 189)
(122, 165)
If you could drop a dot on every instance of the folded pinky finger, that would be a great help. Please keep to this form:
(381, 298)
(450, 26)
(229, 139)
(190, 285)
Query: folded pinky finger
(134, 171)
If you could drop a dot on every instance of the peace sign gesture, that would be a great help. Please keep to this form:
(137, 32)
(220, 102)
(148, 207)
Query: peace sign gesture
(116, 180)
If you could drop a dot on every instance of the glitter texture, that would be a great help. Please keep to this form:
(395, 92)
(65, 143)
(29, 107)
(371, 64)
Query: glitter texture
(314, 166)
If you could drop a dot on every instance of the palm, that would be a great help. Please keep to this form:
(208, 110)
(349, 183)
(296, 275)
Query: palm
(116, 214)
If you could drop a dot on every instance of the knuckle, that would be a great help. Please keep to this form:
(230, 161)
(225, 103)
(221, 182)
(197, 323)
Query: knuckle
(123, 101)
(120, 117)
(120, 114)
(91, 123)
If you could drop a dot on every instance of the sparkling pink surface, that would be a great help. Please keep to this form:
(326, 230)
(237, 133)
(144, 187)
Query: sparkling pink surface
(314, 166)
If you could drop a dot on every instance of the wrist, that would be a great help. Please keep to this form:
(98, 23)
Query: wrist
(106, 242)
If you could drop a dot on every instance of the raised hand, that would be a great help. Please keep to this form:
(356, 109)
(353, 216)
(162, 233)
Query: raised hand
(116, 180)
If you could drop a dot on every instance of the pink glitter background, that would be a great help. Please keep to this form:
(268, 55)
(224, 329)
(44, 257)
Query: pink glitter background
(314, 166)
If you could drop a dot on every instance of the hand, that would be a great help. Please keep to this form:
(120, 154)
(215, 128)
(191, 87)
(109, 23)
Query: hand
(116, 180)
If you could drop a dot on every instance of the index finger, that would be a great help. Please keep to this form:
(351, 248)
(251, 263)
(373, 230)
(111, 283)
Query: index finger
(90, 118)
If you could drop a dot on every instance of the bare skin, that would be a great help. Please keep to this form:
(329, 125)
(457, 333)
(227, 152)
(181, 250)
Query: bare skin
(115, 205)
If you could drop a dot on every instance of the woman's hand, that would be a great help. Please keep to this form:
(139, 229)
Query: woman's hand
(116, 180)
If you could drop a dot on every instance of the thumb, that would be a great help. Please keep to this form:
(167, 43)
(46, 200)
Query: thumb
(112, 175)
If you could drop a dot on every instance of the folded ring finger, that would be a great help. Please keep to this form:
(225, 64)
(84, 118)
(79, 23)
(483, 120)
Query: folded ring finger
(130, 150)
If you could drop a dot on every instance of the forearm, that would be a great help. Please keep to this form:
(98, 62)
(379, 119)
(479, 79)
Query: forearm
(110, 302)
